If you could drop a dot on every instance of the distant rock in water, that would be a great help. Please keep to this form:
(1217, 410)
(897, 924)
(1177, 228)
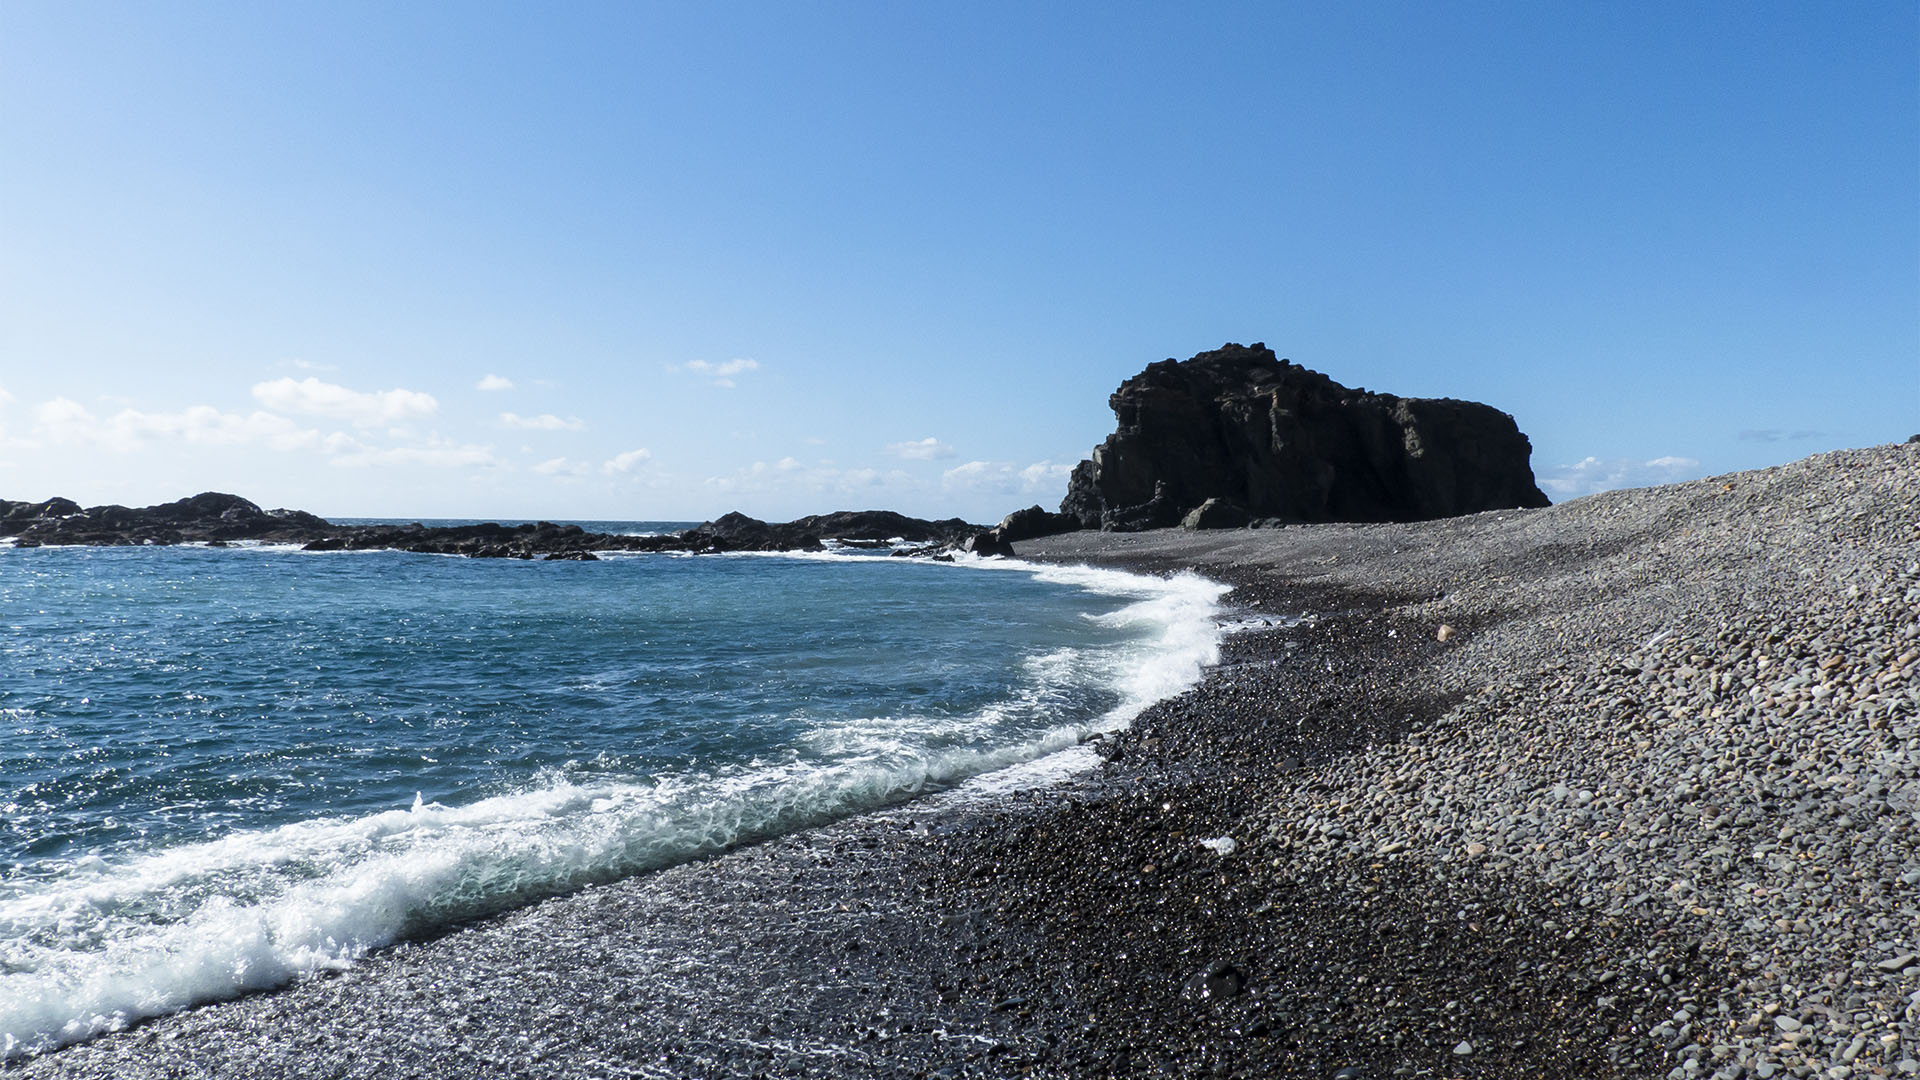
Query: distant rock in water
(1272, 440)
(217, 519)
(207, 517)
(738, 532)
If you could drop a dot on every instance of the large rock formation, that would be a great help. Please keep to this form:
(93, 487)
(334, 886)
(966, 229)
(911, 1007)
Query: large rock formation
(1282, 442)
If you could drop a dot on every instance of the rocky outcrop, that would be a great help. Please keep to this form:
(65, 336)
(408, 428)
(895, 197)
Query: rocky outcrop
(1284, 443)
(738, 532)
(484, 541)
(16, 517)
(987, 542)
(208, 517)
(1034, 522)
(218, 519)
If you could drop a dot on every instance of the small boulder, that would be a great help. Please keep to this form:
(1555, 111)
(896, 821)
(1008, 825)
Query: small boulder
(987, 543)
(1035, 522)
(1217, 513)
(1218, 981)
(1159, 512)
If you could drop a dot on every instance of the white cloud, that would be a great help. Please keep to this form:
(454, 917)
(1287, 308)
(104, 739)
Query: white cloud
(494, 382)
(543, 422)
(205, 425)
(1045, 476)
(821, 480)
(63, 420)
(1770, 435)
(1592, 474)
(563, 468)
(1006, 478)
(627, 462)
(926, 449)
(312, 397)
(975, 474)
(725, 369)
(4, 396)
(437, 453)
(722, 373)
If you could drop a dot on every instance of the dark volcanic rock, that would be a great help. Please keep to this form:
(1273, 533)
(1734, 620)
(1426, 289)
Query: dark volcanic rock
(1216, 513)
(738, 532)
(17, 516)
(209, 516)
(1285, 442)
(988, 542)
(1033, 522)
(1158, 512)
(216, 518)
(883, 525)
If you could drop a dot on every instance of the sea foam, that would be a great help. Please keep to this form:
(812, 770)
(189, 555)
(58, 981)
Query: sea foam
(105, 942)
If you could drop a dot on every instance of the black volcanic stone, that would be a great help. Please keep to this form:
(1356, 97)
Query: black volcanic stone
(1287, 443)
(1034, 522)
(987, 543)
(1216, 513)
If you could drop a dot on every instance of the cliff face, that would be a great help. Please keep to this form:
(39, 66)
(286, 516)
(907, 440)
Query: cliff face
(1280, 441)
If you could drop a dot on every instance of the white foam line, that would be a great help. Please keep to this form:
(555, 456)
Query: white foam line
(108, 943)
(103, 946)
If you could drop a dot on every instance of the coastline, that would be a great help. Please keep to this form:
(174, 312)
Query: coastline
(1357, 762)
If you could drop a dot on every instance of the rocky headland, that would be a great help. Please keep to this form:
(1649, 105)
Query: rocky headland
(1263, 439)
(1239, 437)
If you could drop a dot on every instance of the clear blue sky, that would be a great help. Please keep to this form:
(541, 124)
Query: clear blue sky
(665, 260)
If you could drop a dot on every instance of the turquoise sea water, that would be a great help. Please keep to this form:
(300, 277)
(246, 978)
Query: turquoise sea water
(222, 768)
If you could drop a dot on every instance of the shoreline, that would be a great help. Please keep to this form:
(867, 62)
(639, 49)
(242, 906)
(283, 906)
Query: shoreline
(1357, 762)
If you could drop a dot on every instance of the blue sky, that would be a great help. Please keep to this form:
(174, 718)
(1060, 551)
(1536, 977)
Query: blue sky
(661, 261)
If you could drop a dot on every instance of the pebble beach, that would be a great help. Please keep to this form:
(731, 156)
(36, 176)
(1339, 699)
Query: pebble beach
(1688, 710)
(1628, 786)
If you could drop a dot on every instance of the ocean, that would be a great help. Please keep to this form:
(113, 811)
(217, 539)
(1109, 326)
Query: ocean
(222, 769)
